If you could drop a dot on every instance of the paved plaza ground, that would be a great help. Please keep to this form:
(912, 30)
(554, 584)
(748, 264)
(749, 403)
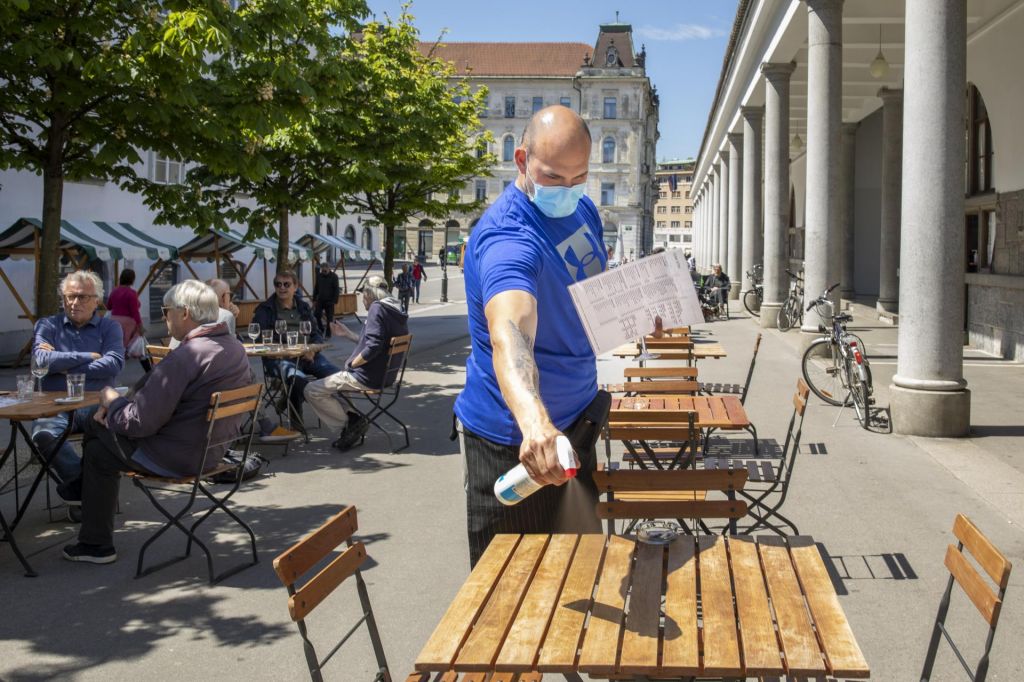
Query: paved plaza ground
(881, 507)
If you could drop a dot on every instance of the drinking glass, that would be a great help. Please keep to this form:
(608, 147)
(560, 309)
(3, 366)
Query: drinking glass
(40, 368)
(282, 328)
(293, 339)
(268, 337)
(76, 386)
(306, 327)
(254, 331)
(25, 386)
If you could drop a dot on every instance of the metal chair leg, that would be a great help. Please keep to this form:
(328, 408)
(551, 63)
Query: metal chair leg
(8, 537)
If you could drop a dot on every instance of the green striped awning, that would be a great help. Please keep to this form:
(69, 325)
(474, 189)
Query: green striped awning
(106, 241)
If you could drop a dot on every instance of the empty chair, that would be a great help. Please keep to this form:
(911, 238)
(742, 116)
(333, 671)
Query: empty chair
(735, 389)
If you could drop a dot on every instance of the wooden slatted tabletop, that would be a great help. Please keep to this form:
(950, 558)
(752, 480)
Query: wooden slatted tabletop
(652, 387)
(714, 411)
(700, 351)
(279, 352)
(41, 406)
(767, 608)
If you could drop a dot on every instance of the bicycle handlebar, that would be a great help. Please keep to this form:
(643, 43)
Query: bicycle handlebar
(821, 299)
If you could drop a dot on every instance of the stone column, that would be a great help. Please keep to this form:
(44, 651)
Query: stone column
(846, 209)
(824, 116)
(722, 253)
(776, 188)
(716, 205)
(735, 238)
(929, 396)
(892, 193)
(753, 247)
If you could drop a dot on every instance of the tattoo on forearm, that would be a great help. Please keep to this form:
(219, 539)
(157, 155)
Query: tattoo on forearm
(521, 360)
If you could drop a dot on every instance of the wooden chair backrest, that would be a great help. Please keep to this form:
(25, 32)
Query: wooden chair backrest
(800, 397)
(660, 373)
(397, 352)
(682, 387)
(224, 404)
(649, 480)
(157, 353)
(671, 343)
(992, 561)
(298, 559)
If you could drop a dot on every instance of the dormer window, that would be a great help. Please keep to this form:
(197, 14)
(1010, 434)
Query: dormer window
(612, 56)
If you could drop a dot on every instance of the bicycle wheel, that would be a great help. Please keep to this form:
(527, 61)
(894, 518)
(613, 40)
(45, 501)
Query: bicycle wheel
(784, 320)
(823, 370)
(752, 302)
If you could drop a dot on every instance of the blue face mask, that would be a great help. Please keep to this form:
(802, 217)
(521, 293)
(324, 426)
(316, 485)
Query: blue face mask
(556, 201)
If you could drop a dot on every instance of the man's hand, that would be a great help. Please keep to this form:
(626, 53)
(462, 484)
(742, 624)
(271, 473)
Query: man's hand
(100, 415)
(309, 357)
(45, 346)
(540, 457)
(339, 329)
(107, 396)
(659, 329)
(95, 356)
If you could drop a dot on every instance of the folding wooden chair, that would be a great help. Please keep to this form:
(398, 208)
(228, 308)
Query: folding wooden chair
(988, 602)
(381, 399)
(297, 560)
(770, 477)
(735, 389)
(670, 494)
(157, 353)
(237, 403)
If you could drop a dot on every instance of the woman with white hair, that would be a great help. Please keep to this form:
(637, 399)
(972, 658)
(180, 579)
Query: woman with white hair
(162, 427)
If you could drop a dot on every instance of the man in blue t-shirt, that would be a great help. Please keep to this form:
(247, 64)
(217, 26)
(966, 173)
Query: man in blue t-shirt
(531, 373)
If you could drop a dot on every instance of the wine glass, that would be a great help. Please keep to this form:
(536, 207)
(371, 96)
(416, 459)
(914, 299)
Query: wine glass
(305, 328)
(281, 326)
(254, 331)
(40, 368)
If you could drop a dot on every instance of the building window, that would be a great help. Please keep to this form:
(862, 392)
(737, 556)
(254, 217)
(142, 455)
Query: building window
(609, 107)
(607, 193)
(508, 148)
(481, 190)
(538, 104)
(166, 171)
(688, 179)
(675, 209)
(688, 224)
(663, 195)
(687, 238)
(674, 237)
(485, 106)
(688, 209)
(979, 160)
(350, 233)
(660, 224)
(510, 107)
(481, 148)
(675, 223)
(565, 102)
(367, 239)
(608, 150)
(661, 209)
(675, 195)
(687, 194)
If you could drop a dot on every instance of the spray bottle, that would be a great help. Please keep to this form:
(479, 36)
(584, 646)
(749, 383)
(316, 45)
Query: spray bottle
(516, 485)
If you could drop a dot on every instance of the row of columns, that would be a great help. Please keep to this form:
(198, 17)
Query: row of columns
(921, 203)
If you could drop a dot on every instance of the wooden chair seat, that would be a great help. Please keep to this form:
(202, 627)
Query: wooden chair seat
(221, 468)
(663, 496)
(474, 677)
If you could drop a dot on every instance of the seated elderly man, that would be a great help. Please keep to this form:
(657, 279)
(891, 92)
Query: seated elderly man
(227, 311)
(161, 428)
(285, 305)
(76, 341)
(366, 367)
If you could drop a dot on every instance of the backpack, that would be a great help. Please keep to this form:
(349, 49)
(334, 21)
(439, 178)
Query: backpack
(404, 282)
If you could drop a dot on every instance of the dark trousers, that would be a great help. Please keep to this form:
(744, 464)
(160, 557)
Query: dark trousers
(102, 464)
(552, 509)
(324, 309)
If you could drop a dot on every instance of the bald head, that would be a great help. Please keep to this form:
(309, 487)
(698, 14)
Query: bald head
(223, 291)
(555, 128)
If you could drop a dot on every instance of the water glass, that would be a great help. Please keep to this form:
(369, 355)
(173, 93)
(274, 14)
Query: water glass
(268, 337)
(26, 384)
(293, 339)
(76, 386)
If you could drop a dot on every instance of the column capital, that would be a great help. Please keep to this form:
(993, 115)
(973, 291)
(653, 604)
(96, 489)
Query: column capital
(752, 114)
(890, 95)
(736, 144)
(777, 70)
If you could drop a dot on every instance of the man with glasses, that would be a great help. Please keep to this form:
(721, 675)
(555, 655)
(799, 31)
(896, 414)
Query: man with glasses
(76, 341)
(285, 305)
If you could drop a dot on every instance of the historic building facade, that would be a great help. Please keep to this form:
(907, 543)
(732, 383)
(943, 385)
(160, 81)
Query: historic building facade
(673, 206)
(607, 84)
(878, 144)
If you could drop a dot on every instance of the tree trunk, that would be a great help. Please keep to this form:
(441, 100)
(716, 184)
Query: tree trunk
(282, 240)
(389, 252)
(48, 265)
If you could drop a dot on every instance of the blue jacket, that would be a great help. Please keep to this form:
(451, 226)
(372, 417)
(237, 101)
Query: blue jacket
(74, 348)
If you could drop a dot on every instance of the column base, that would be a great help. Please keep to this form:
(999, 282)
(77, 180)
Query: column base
(770, 315)
(887, 307)
(807, 338)
(734, 291)
(934, 414)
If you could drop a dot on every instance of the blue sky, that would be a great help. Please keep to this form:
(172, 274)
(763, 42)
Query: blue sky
(685, 42)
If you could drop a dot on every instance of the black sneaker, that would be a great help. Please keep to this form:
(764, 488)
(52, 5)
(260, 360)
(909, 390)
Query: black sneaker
(91, 554)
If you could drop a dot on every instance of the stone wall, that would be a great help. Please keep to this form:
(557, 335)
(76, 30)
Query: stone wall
(1008, 254)
(995, 318)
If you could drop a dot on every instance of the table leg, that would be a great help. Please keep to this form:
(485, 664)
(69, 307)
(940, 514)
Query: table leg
(45, 468)
(12, 450)
(8, 537)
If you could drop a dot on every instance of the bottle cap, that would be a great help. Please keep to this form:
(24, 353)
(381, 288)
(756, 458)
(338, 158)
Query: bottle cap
(566, 456)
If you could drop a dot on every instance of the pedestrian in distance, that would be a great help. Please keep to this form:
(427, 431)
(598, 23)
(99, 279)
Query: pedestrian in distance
(404, 284)
(419, 275)
(326, 290)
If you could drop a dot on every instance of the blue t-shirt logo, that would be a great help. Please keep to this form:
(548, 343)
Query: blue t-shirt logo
(581, 253)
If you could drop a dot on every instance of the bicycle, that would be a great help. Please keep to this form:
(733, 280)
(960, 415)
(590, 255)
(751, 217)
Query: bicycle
(835, 366)
(754, 296)
(791, 313)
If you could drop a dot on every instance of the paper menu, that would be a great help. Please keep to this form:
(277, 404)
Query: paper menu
(620, 305)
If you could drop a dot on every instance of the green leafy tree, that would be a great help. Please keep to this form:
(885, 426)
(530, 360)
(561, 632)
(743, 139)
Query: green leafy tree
(268, 134)
(86, 85)
(417, 132)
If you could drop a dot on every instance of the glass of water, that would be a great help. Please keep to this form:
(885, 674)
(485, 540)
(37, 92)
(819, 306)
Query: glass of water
(293, 339)
(268, 337)
(254, 331)
(76, 386)
(306, 327)
(25, 386)
(40, 368)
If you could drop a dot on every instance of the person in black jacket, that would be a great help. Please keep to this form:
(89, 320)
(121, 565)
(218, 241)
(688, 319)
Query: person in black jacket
(325, 295)
(285, 305)
(366, 368)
